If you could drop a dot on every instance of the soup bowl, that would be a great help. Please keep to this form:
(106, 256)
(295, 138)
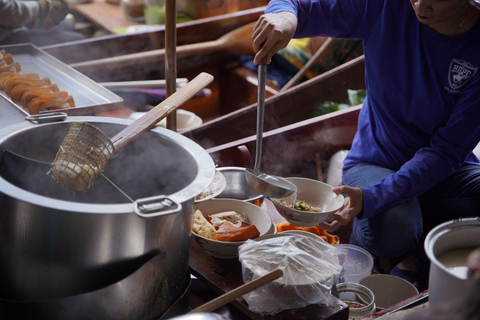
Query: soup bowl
(229, 249)
(316, 194)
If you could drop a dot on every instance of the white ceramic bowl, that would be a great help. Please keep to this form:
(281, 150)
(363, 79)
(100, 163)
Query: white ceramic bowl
(388, 289)
(185, 119)
(316, 194)
(226, 249)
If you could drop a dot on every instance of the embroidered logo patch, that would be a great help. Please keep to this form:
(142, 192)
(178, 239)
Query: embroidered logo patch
(459, 73)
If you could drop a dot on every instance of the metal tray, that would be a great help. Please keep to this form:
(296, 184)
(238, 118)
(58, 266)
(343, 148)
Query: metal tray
(89, 96)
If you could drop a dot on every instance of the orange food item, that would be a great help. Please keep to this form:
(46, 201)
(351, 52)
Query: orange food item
(20, 91)
(41, 104)
(10, 84)
(42, 92)
(332, 239)
(6, 76)
(228, 232)
(12, 67)
(7, 59)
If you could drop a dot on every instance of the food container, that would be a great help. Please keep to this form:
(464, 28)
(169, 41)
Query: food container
(237, 186)
(389, 289)
(444, 285)
(310, 266)
(229, 250)
(358, 263)
(315, 193)
(360, 299)
(57, 243)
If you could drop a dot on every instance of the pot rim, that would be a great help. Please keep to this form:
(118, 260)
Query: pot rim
(442, 229)
(203, 178)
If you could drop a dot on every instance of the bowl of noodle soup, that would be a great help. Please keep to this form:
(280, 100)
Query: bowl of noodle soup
(313, 203)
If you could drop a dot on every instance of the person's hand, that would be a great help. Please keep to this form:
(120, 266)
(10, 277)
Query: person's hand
(52, 12)
(351, 208)
(271, 33)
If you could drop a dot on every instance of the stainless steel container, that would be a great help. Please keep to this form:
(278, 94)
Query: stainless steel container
(55, 243)
(443, 284)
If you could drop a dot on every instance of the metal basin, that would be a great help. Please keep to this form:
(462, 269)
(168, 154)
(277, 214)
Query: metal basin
(237, 186)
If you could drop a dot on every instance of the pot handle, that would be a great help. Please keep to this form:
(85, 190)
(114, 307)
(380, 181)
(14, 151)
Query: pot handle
(156, 206)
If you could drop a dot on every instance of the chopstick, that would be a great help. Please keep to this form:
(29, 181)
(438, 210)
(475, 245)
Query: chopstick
(238, 292)
(141, 84)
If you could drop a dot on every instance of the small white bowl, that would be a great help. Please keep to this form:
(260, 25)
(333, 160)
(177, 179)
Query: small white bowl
(316, 194)
(185, 119)
(388, 289)
(227, 249)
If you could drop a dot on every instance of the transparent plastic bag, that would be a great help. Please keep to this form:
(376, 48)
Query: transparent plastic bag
(310, 268)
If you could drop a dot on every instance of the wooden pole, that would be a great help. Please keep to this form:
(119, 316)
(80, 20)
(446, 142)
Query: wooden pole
(171, 56)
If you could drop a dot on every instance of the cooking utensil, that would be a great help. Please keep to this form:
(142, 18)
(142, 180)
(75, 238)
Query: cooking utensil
(238, 292)
(86, 150)
(268, 185)
(236, 42)
(307, 66)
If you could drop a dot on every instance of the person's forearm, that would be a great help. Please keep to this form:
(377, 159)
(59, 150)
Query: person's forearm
(16, 14)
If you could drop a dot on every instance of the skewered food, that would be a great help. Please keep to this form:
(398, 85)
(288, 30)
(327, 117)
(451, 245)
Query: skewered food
(20, 92)
(41, 92)
(4, 77)
(12, 67)
(29, 90)
(10, 84)
(42, 104)
(8, 59)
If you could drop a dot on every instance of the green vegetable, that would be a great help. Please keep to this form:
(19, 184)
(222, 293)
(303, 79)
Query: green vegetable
(356, 96)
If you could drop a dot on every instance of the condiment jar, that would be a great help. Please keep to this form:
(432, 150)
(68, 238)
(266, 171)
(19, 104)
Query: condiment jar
(360, 299)
(133, 10)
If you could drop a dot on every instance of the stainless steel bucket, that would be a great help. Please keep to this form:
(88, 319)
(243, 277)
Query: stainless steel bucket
(443, 285)
(55, 243)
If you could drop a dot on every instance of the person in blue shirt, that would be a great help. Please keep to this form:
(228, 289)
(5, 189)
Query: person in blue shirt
(411, 165)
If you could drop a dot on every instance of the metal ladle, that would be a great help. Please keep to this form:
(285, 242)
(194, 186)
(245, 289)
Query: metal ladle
(268, 185)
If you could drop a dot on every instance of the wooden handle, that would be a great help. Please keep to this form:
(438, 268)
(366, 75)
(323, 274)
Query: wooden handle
(238, 292)
(307, 66)
(149, 119)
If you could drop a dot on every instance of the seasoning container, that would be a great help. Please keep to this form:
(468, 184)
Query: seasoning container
(360, 299)
(133, 10)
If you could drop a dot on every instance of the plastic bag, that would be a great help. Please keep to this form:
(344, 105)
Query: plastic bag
(310, 268)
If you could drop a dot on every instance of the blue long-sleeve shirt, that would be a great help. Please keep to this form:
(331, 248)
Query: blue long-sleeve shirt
(421, 117)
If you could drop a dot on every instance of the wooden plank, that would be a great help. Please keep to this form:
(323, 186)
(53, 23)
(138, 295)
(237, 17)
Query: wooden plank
(105, 15)
(284, 108)
(292, 150)
(188, 32)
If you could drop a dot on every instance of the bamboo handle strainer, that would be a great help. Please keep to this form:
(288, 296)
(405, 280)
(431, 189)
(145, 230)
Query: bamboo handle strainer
(86, 150)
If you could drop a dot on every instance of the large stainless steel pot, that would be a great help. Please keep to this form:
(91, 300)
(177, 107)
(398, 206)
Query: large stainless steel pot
(56, 243)
(443, 284)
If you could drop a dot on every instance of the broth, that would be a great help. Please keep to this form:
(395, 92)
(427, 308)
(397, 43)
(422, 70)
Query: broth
(456, 261)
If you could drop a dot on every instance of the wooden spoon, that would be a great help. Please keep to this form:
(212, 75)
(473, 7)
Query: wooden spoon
(236, 42)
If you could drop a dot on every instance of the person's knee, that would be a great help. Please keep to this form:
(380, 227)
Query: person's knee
(392, 233)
